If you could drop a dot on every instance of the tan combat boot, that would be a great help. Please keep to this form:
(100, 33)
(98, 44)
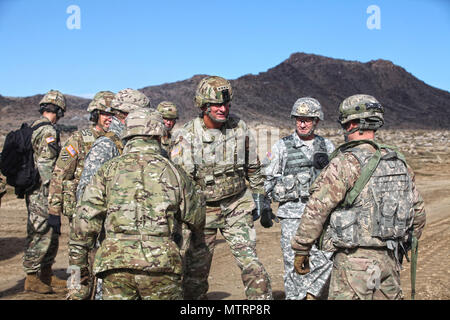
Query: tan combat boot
(50, 279)
(33, 283)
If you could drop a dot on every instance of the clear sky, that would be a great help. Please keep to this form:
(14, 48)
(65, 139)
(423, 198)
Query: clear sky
(137, 43)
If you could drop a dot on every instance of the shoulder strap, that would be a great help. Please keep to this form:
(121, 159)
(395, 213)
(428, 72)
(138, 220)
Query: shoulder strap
(117, 141)
(40, 125)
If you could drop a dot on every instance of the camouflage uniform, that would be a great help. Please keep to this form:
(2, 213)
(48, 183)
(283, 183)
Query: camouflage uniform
(138, 196)
(293, 156)
(205, 155)
(361, 235)
(42, 241)
(69, 166)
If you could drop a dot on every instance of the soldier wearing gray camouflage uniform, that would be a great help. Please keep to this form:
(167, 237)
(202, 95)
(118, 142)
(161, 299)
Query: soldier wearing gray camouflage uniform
(364, 207)
(43, 230)
(216, 151)
(290, 168)
(138, 196)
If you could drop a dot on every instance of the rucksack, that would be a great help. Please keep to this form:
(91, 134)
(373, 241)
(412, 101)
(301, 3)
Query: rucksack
(17, 162)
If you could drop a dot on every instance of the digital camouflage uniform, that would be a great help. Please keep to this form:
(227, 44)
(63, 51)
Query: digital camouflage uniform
(290, 212)
(216, 160)
(69, 166)
(138, 196)
(169, 111)
(363, 234)
(42, 241)
(289, 172)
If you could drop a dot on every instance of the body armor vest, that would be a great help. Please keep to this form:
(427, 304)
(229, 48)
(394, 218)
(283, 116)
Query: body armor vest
(222, 172)
(298, 173)
(382, 212)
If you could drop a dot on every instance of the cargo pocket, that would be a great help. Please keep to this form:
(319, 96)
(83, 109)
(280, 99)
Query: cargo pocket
(69, 198)
(344, 228)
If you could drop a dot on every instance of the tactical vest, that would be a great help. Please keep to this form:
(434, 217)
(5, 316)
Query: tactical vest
(86, 139)
(220, 178)
(117, 141)
(298, 173)
(381, 211)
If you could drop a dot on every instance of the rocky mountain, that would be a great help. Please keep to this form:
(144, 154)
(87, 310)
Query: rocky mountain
(267, 97)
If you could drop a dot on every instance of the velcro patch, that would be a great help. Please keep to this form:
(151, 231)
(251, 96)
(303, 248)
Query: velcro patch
(175, 152)
(50, 140)
(71, 150)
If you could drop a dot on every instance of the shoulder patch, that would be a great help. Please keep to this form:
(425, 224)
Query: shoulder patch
(175, 151)
(50, 140)
(71, 150)
(269, 155)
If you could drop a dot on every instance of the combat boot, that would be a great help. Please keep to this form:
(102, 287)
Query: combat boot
(50, 279)
(310, 297)
(33, 283)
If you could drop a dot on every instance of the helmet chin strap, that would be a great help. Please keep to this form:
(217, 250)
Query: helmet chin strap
(310, 132)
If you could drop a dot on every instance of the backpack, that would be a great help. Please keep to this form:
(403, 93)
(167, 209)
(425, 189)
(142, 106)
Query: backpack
(17, 162)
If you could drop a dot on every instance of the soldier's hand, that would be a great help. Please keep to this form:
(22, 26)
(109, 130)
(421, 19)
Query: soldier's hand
(267, 217)
(301, 264)
(54, 222)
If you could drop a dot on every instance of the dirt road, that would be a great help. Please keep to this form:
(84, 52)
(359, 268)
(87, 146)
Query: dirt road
(433, 274)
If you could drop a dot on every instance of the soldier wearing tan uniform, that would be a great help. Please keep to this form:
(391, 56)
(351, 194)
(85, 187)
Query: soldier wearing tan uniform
(170, 115)
(367, 203)
(43, 229)
(216, 150)
(138, 197)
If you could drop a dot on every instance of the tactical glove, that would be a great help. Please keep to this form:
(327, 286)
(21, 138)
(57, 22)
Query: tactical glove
(54, 222)
(320, 160)
(267, 217)
(301, 264)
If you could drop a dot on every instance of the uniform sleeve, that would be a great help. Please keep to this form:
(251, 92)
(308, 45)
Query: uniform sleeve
(254, 172)
(193, 204)
(418, 207)
(181, 152)
(327, 192)
(102, 150)
(88, 220)
(64, 170)
(273, 167)
(46, 150)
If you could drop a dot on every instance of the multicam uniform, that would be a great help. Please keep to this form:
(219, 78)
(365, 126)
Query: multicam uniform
(68, 169)
(42, 240)
(138, 197)
(289, 173)
(203, 155)
(365, 227)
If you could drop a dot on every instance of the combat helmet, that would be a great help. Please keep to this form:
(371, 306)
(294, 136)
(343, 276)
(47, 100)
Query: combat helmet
(144, 122)
(54, 97)
(102, 101)
(168, 110)
(364, 108)
(127, 100)
(213, 90)
(307, 107)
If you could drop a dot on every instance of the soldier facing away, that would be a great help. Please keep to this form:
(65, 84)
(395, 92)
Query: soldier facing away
(43, 230)
(170, 115)
(365, 205)
(138, 196)
(291, 167)
(69, 166)
(214, 149)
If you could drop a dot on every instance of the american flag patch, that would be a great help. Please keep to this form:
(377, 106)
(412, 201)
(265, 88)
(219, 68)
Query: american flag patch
(269, 155)
(50, 140)
(175, 152)
(71, 150)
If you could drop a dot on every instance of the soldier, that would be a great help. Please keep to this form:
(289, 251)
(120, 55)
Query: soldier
(110, 145)
(292, 165)
(215, 151)
(170, 115)
(43, 229)
(138, 196)
(367, 203)
(68, 168)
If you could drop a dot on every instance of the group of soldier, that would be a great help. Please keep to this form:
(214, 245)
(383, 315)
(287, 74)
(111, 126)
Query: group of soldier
(144, 204)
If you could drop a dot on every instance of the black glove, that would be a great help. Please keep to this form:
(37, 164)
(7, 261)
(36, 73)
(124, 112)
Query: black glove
(54, 221)
(320, 160)
(267, 216)
(259, 203)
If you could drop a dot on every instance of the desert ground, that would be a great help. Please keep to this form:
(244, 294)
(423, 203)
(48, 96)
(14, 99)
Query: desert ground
(428, 152)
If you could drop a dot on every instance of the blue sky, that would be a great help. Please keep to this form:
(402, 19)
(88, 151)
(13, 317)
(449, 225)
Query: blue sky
(138, 43)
